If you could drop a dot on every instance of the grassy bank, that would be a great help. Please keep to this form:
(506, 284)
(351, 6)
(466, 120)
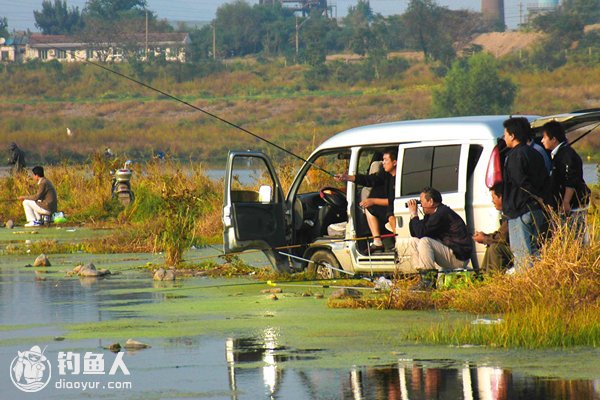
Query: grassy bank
(174, 207)
(556, 303)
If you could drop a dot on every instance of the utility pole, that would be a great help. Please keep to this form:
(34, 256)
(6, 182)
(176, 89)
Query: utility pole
(520, 13)
(146, 36)
(298, 26)
(214, 41)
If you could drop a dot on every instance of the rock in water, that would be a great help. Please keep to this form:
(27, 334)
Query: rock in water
(344, 293)
(41, 261)
(164, 275)
(90, 270)
(169, 275)
(10, 224)
(131, 344)
(159, 274)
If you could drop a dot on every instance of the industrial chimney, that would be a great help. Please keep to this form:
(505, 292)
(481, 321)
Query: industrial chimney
(493, 11)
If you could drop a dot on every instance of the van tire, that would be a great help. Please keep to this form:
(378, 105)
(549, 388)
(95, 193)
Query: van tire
(317, 268)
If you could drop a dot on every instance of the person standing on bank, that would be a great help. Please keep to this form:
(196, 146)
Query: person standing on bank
(44, 202)
(387, 179)
(17, 157)
(570, 194)
(524, 177)
(440, 241)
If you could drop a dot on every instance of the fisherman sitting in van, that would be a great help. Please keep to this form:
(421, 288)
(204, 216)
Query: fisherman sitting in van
(497, 254)
(440, 241)
(378, 207)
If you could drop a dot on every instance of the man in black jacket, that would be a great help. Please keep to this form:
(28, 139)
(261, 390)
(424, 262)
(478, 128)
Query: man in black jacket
(524, 178)
(17, 157)
(440, 241)
(378, 207)
(570, 194)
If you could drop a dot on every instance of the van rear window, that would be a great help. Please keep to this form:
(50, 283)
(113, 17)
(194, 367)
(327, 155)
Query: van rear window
(435, 166)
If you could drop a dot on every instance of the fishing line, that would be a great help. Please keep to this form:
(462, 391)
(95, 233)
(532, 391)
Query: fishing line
(173, 97)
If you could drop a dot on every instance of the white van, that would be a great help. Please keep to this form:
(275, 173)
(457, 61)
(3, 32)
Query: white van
(320, 225)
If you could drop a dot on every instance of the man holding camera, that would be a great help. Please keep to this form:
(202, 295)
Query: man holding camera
(440, 241)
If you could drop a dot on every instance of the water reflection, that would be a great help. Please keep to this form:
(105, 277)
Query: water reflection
(406, 380)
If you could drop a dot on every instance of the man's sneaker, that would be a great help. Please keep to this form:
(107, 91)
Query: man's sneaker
(31, 224)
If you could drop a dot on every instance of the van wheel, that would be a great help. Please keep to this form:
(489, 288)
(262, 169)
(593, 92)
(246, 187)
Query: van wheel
(321, 259)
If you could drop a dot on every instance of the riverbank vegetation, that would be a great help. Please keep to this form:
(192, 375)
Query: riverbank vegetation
(556, 303)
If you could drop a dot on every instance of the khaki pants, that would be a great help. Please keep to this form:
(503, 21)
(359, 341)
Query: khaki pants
(428, 253)
(497, 257)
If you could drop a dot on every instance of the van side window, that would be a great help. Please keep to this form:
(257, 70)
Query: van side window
(252, 181)
(435, 166)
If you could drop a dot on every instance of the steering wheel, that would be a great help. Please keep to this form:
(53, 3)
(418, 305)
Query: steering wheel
(334, 197)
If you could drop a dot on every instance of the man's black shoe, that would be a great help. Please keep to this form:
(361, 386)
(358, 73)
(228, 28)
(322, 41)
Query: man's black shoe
(375, 248)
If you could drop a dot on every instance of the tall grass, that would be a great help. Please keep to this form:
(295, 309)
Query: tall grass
(556, 303)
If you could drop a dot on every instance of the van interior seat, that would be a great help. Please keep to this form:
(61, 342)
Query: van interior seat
(376, 167)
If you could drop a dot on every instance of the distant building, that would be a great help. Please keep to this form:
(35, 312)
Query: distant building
(171, 46)
(13, 49)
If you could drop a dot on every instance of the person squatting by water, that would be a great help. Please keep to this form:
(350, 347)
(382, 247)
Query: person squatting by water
(525, 178)
(569, 194)
(44, 202)
(16, 157)
(497, 254)
(440, 241)
(378, 208)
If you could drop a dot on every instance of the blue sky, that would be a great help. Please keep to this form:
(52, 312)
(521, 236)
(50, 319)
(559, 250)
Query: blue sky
(20, 13)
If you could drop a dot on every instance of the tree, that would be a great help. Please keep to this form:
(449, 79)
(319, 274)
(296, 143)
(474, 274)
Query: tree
(3, 27)
(474, 87)
(562, 30)
(57, 19)
(587, 10)
(111, 10)
(424, 21)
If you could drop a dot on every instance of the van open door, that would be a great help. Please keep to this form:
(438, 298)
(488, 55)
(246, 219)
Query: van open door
(442, 166)
(254, 210)
(575, 122)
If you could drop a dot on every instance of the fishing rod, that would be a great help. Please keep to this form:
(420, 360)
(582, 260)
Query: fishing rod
(173, 97)
(294, 246)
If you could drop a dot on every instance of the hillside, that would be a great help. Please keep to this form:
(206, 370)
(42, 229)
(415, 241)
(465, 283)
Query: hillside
(502, 43)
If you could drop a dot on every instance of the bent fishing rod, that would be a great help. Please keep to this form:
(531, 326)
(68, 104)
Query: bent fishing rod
(212, 115)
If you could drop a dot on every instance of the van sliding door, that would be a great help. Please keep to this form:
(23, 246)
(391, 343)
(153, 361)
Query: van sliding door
(442, 166)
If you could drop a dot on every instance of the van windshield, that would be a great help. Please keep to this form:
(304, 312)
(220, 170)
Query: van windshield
(334, 162)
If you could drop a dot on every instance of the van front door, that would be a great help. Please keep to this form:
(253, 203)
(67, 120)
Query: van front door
(254, 210)
(442, 166)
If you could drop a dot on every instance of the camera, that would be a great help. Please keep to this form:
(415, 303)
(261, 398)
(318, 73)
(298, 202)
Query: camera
(418, 203)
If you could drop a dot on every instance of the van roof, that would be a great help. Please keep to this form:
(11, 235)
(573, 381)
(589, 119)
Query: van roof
(476, 127)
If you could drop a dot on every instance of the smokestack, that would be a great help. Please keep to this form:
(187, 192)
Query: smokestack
(493, 11)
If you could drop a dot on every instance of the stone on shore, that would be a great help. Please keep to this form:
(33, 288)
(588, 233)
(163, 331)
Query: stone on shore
(345, 293)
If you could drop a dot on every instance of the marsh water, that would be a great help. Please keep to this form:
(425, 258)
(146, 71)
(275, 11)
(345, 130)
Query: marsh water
(224, 339)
